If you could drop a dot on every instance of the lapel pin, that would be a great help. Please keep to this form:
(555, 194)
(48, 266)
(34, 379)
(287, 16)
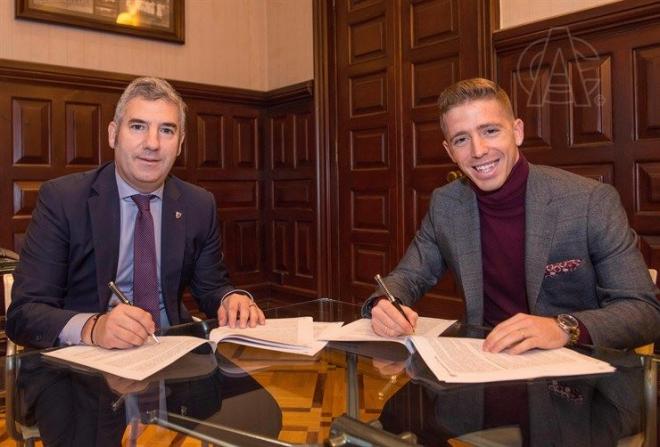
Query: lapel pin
(178, 215)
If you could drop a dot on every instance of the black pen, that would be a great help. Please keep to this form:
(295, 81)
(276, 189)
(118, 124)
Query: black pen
(391, 298)
(119, 294)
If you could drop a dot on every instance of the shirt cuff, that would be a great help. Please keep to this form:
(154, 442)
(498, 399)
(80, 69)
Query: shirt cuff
(71, 332)
(584, 338)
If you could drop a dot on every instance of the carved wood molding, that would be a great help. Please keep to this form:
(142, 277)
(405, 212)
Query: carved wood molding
(290, 93)
(609, 17)
(54, 75)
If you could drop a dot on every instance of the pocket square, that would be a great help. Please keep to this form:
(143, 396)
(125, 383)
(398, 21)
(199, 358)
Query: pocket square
(557, 268)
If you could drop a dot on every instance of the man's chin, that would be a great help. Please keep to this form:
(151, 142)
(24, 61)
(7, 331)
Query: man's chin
(489, 185)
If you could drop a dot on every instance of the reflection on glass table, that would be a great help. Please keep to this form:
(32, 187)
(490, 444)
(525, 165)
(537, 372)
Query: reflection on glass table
(247, 396)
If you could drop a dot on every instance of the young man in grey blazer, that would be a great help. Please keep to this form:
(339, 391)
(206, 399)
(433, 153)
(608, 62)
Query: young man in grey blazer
(544, 256)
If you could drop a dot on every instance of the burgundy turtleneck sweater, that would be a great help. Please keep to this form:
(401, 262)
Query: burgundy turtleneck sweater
(502, 219)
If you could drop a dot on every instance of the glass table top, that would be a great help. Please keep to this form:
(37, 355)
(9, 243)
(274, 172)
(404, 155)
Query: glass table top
(376, 392)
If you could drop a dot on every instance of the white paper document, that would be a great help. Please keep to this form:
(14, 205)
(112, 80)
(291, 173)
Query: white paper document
(361, 330)
(294, 335)
(462, 360)
(135, 363)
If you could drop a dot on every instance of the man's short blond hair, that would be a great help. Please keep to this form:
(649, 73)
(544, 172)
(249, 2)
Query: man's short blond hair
(471, 90)
(151, 89)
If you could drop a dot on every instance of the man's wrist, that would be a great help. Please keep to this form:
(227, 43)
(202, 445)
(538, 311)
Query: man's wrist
(86, 332)
(570, 326)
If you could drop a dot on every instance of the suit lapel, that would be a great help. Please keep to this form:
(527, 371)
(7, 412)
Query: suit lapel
(540, 222)
(103, 205)
(467, 240)
(172, 246)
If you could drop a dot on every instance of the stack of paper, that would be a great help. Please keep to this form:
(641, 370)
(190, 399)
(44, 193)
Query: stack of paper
(294, 335)
(361, 330)
(462, 360)
(135, 363)
(459, 360)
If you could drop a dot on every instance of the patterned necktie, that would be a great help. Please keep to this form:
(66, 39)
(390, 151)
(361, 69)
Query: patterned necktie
(145, 276)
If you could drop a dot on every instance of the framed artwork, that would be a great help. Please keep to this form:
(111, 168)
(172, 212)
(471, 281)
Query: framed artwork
(153, 19)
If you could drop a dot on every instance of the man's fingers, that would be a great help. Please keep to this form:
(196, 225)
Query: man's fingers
(244, 314)
(412, 316)
(124, 327)
(502, 339)
(109, 334)
(222, 316)
(523, 346)
(387, 313)
(239, 309)
(232, 312)
(261, 318)
(385, 327)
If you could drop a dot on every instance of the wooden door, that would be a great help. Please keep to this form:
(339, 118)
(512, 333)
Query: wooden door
(393, 58)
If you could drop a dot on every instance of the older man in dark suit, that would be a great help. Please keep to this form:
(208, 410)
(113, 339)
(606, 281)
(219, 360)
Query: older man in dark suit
(130, 222)
(544, 256)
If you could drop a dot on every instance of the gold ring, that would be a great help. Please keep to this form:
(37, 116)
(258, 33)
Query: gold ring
(252, 305)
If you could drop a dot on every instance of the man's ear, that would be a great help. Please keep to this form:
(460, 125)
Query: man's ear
(519, 131)
(183, 137)
(112, 134)
(446, 146)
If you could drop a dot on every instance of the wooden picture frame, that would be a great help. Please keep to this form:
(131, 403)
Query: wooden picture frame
(152, 19)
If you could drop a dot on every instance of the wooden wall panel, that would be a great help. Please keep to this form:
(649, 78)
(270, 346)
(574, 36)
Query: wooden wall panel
(292, 210)
(82, 134)
(586, 86)
(646, 64)
(31, 121)
(211, 141)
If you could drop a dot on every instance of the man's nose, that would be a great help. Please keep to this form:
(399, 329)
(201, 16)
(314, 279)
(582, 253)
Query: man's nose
(153, 139)
(479, 147)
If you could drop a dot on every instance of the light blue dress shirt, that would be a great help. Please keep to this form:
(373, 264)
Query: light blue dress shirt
(124, 279)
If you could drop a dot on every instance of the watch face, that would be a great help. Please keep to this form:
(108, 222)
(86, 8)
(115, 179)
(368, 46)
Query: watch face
(568, 320)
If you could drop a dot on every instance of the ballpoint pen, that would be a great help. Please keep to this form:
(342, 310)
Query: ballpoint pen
(119, 294)
(392, 300)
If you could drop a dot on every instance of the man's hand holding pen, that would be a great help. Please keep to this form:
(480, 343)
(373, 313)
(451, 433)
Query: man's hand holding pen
(387, 321)
(123, 327)
(388, 317)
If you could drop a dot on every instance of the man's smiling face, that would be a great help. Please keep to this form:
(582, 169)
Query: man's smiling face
(146, 142)
(482, 138)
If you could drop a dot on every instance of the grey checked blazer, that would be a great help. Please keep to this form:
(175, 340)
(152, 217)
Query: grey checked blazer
(581, 257)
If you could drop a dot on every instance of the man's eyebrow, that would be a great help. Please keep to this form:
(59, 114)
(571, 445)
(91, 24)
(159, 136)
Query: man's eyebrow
(141, 121)
(494, 124)
(460, 132)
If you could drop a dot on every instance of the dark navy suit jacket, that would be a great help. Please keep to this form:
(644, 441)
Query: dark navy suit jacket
(71, 252)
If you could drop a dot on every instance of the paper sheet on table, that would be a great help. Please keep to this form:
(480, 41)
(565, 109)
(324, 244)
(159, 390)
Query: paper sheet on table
(293, 335)
(461, 360)
(361, 330)
(135, 363)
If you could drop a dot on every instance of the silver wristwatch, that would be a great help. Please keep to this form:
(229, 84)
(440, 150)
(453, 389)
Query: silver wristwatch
(570, 325)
